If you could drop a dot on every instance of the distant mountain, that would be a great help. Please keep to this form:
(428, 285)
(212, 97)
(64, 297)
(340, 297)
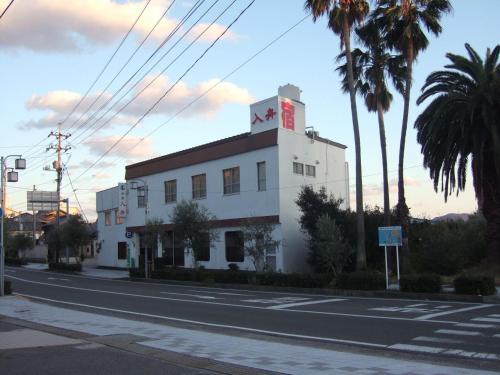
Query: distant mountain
(451, 217)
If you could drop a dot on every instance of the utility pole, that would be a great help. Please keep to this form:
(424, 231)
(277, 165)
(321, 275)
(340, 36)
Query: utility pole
(34, 222)
(58, 168)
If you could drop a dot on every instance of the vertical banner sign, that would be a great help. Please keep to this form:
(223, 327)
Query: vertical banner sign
(122, 200)
(390, 236)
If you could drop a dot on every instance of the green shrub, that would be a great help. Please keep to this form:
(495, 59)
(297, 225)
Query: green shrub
(136, 272)
(361, 280)
(474, 284)
(420, 283)
(72, 267)
(231, 277)
(15, 262)
(7, 287)
(296, 280)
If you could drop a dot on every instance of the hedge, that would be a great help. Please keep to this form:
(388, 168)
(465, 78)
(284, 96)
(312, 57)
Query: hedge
(7, 287)
(238, 277)
(420, 283)
(15, 262)
(360, 280)
(475, 284)
(74, 267)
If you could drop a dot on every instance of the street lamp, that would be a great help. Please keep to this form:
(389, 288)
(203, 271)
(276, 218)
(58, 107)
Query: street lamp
(142, 191)
(10, 176)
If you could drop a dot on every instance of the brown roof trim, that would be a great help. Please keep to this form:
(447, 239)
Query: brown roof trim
(238, 144)
(223, 223)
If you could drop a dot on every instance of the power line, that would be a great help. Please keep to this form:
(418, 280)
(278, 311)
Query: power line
(6, 8)
(107, 63)
(124, 65)
(76, 196)
(169, 90)
(193, 9)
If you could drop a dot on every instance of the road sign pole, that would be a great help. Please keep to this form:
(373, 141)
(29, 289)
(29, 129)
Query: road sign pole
(397, 259)
(386, 270)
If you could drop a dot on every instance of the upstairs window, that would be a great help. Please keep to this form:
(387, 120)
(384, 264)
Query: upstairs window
(170, 191)
(199, 183)
(141, 197)
(298, 168)
(107, 218)
(310, 170)
(231, 179)
(261, 176)
(118, 218)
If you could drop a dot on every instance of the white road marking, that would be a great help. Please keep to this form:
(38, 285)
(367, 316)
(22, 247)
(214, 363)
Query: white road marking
(10, 271)
(443, 307)
(463, 353)
(475, 325)
(417, 348)
(246, 329)
(491, 320)
(280, 300)
(221, 293)
(232, 289)
(494, 315)
(362, 316)
(430, 316)
(190, 295)
(497, 336)
(458, 332)
(57, 278)
(417, 305)
(286, 305)
(437, 339)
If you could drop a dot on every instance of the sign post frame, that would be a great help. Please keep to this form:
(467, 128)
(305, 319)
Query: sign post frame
(390, 236)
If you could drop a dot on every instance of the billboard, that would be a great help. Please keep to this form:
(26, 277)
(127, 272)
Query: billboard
(122, 200)
(42, 200)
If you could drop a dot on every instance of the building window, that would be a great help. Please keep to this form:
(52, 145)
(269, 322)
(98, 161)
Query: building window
(141, 197)
(118, 218)
(107, 217)
(234, 246)
(122, 250)
(298, 168)
(261, 176)
(231, 181)
(199, 186)
(204, 249)
(170, 191)
(173, 250)
(310, 170)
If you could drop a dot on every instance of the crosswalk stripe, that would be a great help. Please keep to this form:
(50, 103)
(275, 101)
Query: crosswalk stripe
(475, 325)
(492, 320)
(458, 332)
(437, 339)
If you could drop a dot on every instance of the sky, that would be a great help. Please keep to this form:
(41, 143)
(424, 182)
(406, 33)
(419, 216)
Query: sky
(52, 51)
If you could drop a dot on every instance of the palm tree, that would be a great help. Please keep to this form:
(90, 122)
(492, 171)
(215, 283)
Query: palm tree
(372, 68)
(342, 15)
(462, 122)
(403, 22)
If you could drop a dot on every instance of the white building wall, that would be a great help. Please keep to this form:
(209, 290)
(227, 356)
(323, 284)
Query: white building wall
(248, 203)
(108, 236)
(329, 161)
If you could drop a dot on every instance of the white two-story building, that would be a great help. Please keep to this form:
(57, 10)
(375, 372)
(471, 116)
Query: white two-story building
(255, 175)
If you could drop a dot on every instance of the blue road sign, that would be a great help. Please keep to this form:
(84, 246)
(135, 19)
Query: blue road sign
(129, 234)
(390, 236)
(1, 212)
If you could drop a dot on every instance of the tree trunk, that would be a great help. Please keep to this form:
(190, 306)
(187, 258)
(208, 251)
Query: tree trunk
(383, 148)
(361, 251)
(491, 207)
(402, 208)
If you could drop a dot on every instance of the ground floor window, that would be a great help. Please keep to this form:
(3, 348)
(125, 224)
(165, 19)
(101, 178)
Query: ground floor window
(173, 251)
(234, 246)
(122, 250)
(204, 249)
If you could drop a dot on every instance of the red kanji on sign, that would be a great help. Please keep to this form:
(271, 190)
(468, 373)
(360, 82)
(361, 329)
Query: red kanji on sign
(288, 115)
(270, 114)
(256, 118)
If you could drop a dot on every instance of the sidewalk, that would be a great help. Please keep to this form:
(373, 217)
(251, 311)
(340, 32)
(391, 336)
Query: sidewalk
(89, 268)
(249, 352)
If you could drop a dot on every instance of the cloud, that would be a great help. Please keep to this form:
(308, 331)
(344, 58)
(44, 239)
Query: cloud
(62, 25)
(182, 94)
(124, 149)
(59, 103)
(87, 163)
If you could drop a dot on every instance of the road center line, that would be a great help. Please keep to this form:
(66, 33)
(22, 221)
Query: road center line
(286, 305)
(430, 316)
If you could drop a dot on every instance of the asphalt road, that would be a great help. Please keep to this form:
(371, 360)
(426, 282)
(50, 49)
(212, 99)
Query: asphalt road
(465, 330)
